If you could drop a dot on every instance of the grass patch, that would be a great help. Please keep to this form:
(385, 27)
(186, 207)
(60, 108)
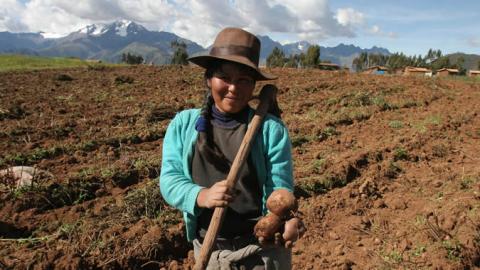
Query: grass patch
(400, 154)
(27, 62)
(395, 124)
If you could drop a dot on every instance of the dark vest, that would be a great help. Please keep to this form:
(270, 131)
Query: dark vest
(243, 213)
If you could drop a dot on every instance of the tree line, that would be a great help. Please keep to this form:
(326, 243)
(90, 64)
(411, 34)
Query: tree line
(179, 57)
(309, 59)
(433, 60)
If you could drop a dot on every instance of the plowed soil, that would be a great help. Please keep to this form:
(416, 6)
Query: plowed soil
(386, 168)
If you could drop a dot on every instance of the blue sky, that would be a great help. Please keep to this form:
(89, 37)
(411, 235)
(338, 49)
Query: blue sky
(405, 26)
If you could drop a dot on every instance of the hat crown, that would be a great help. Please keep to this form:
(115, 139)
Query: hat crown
(234, 45)
(236, 42)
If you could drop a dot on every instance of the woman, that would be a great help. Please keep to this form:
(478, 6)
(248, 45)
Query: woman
(200, 146)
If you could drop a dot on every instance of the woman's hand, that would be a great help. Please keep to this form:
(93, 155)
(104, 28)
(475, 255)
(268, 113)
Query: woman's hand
(294, 229)
(215, 196)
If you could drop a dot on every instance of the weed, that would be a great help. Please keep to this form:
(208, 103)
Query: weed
(392, 257)
(89, 146)
(468, 182)
(124, 79)
(420, 220)
(144, 202)
(418, 250)
(107, 172)
(318, 165)
(453, 248)
(393, 170)
(100, 97)
(439, 150)
(396, 124)
(327, 133)
(434, 120)
(299, 140)
(400, 154)
(382, 104)
(439, 195)
(16, 111)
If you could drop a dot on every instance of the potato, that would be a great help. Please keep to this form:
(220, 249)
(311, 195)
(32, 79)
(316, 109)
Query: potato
(267, 226)
(282, 203)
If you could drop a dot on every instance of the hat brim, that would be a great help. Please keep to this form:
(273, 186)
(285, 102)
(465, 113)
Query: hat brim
(206, 60)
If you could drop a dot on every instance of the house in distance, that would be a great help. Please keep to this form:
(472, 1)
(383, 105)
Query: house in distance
(376, 70)
(447, 72)
(418, 71)
(474, 73)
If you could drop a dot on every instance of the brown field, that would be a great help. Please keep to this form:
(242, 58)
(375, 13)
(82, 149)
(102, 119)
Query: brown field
(386, 168)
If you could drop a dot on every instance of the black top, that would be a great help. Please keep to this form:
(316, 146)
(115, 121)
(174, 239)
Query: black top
(243, 213)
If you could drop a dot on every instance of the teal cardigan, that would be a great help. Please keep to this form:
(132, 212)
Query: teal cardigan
(270, 152)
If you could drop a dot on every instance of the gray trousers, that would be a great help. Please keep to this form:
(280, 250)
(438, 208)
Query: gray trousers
(243, 253)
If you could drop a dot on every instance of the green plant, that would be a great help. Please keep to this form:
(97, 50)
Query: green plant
(418, 250)
(439, 150)
(393, 170)
(89, 146)
(299, 140)
(327, 133)
(317, 165)
(454, 249)
(400, 154)
(392, 257)
(396, 124)
(468, 181)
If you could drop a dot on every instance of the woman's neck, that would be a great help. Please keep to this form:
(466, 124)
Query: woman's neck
(229, 119)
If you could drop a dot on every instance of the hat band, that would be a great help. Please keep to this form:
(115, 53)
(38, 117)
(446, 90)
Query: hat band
(236, 50)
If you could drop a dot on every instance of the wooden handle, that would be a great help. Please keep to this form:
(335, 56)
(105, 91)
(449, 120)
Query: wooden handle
(267, 95)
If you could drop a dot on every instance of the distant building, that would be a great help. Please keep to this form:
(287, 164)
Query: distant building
(419, 71)
(376, 70)
(447, 72)
(328, 66)
(474, 73)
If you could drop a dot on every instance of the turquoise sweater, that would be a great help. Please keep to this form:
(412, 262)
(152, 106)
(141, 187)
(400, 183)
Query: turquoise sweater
(271, 154)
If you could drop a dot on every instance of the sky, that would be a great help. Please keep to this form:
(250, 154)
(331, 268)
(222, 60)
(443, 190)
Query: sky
(408, 26)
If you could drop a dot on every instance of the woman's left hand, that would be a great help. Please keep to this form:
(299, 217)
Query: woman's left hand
(294, 229)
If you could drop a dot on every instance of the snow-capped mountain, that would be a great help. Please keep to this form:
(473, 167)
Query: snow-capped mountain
(109, 41)
(121, 28)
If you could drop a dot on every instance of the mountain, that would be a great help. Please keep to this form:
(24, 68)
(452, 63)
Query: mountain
(22, 42)
(108, 42)
(100, 41)
(341, 54)
(267, 47)
(472, 61)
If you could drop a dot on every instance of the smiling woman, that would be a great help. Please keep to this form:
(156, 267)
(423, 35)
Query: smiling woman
(201, 144)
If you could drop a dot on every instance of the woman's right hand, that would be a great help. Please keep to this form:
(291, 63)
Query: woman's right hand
(215, 196)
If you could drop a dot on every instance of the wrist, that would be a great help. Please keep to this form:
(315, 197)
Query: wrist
(201, 198)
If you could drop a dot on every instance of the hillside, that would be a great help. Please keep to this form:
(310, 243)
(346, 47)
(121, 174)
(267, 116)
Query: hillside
(472, 61)
(385, 168)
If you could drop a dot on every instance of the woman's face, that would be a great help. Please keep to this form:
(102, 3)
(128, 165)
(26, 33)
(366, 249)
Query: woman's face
(232, 87)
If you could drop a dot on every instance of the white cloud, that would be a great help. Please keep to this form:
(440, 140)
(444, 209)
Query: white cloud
(375, 30)
(198, 20)
(350, 17)
(474, 42)
(10, 16)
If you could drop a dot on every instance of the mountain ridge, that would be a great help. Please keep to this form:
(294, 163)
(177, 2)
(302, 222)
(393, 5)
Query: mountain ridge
(108, 41)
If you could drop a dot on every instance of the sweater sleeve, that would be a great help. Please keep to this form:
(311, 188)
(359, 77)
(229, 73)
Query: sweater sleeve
(278, 156)
(176, 186)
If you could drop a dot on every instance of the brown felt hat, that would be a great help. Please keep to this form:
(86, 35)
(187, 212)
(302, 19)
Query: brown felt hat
(234, 45)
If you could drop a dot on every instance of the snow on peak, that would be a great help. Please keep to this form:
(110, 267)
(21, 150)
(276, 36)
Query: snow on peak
(121, 28)
(94, 29)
